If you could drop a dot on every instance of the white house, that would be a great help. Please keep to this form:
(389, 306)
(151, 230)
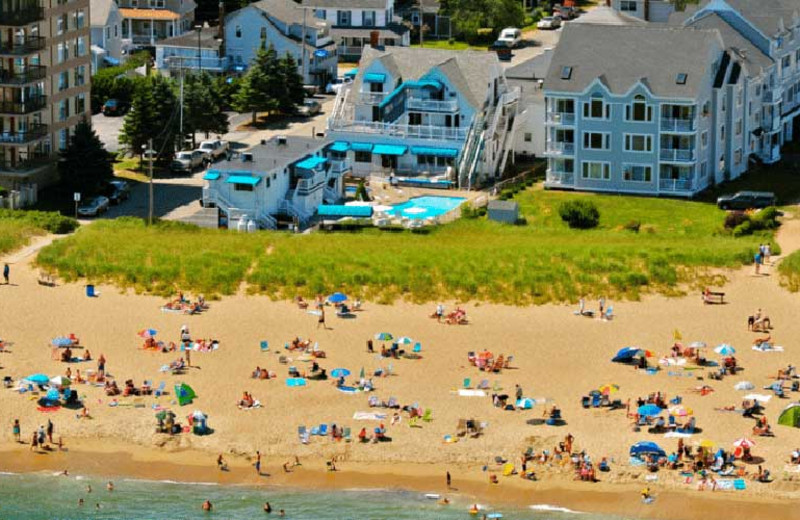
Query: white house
(144, 22)
(106, 33)
(197, 51)
(356, 23)
(282, 24)
(283, 178)
(529, 77)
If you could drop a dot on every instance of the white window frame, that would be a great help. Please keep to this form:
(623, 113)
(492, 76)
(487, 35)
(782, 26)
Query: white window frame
(703, 170)
(639, 165)
(606, 170)
(587, 110)
(606, 141)
(628, 142)
(625, 6)
(704, 139)
(738, 157)
(648, 111)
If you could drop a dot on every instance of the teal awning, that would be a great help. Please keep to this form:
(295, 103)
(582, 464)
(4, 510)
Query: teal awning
(351, 73)
(389, 149)
(241, 179)
(311, 162)
(211, 175)
(344, 211)
(361, 147)
(436, 152)
(419, 83)
(392, 95)
(373, 77)
(339, 146)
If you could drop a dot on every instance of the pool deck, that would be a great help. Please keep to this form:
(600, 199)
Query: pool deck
(388, 195)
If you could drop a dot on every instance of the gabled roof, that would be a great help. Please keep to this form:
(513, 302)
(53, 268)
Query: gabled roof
(286, 11)
(740, 47)
(533, 68)
(208, 39)
(622, 56)
(344, 4)
(603, 15)
(766, 15)
(99, 11)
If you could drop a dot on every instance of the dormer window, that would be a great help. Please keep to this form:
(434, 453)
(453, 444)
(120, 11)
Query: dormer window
(596, 108)
(566, 73)
(639, 110)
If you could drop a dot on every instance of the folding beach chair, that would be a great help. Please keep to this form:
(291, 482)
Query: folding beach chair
(323, 430)
(467, 382)
(496, 386)
(595, 400)
(346, 434)
(428, 415)
(160, 390)
(483, 385)
(302, 433)
(264, 346)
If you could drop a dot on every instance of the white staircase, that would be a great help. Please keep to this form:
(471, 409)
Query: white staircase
(330, 196)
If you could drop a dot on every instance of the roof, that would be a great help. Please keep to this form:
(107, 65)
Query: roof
(503, 205)
(469, 72)
(345, 4)
(622, 56)
(99, 11)
(766, 15)
(603, 15)
(208, 39)
(286, 11)
(390, 31)
(344, 211)
(741, 48)
(272, 156)
(534, 68)
(148, 14)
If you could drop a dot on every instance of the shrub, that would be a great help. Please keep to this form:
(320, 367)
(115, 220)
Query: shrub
(745, 228)
(744, 223)
(49, 221)
(579, 214)
(767, 218)
(734, 218)
(633, 225)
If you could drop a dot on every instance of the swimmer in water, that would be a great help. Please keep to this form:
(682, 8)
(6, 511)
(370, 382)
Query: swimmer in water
(89, 488)
(80, 502)
(282, 513)
(110, 486)
(444, 501)
(267, 508)
(207, 505)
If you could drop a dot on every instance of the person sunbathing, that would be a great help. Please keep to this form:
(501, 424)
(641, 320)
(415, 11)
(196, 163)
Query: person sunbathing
(256, 373)
(301, 303)
(762, 342)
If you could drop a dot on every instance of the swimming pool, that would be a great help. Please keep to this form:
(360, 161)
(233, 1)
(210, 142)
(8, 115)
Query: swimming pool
(427, 206)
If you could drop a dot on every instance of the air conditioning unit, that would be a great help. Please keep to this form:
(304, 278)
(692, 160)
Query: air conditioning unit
(247, 157)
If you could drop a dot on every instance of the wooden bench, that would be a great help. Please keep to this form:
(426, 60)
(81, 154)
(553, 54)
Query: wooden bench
(710, 297)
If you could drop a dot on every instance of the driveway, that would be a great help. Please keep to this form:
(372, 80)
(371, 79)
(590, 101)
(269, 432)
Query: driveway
(108, 129)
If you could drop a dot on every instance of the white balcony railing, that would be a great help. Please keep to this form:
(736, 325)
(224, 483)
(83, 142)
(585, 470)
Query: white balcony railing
(561, 118)
(209, 63)
(669, 124)
(431, 105)
(561, 178)
(676, 185)
(400, 130)
(677, 155)
(339, 167)
(559, 148)
(371, 98)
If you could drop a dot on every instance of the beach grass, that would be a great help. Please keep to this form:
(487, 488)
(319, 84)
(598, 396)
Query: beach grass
(676, 247)
(17, 227)
(454, 45)
(789, 269)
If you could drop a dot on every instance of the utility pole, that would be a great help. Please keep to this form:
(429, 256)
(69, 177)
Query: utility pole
(181, 108)
(150, 156)
(199, 55)
(303, 45)
(421, 24)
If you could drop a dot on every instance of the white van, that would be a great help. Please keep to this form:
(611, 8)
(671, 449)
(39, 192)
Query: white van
(509, 37)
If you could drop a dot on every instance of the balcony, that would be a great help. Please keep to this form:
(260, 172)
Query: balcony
(771, 96)
(29, 45)
(669, 124)
(561, 118)
(677, 155)
(371, 98)
(25, 165)
(23, 107)
(400, 131)
(18, 17)
(431, 105)
(676, 185)
(30, 74)
(351, 51)
(32, 134)
(340, 167)
(560, 178)
(207, 63)
(559, 148)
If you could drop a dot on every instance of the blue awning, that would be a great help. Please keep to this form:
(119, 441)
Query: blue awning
(389, 149)
(361, 147)
(241, 179)
(111, 60)
(344, 211)
(436, 152)
(211, 175)
(311, 162)
(373, 77)
(339, 146)
(419, 83)
(351, 73)
(392, 95)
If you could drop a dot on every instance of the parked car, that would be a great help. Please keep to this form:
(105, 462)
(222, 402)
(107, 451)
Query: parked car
(309, 108)
(214, 150)
(188, 162)
(93, 207)
(549, 22)
(510, 37)
(334, 86)
(114, 107)
(565, 13)
(118, 191)
(747, 200)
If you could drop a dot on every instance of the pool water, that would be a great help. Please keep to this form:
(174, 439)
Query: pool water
(427, 206)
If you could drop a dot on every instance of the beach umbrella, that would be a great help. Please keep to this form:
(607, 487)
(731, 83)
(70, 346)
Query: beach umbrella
(646, 353)
(680, 411)
(384, 336)
(38, 379)
(725, 350)
(646, 448)
(705, 443)
(60, 381)
(649, 410)
(147, 333)
(698, 344)
(340, 372)
(609, 388)
(337, 297)
(525, 403)
(625, 355)
(405, 340)
(744, 385)
(52, 395)
(61, 341)
(744, 442)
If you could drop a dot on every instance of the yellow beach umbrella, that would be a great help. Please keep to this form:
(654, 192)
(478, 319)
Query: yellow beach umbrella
(707, 444)
(609, 388)
(680, 411)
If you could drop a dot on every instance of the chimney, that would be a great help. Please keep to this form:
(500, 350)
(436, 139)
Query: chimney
(373, 39)
(221, 26)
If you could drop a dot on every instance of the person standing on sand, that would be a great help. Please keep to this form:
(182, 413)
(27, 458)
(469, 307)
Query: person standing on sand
(189, 357)
(6, 272)
(16, 430)
(50, 428)
(757, 261)
(518, 392)
(35, 441)
(321, 321)
(258, 462)
(449, 480)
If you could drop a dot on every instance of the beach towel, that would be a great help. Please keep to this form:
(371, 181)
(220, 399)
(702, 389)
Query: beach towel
(767, 348)
(471, 393)
(739, 484)
(670, 361)
(295, 381)
(347, 389)
(48, 409)
(761, 398)
(677, 435)
(725, 485)
(369, 416)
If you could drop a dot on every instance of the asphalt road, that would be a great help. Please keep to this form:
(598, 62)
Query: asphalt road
(108, 129)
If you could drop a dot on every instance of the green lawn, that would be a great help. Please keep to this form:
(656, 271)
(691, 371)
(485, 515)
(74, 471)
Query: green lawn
(446, 45)
(471, 259)
(789, 268)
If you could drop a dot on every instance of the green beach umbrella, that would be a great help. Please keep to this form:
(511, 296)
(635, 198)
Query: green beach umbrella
(790, 416)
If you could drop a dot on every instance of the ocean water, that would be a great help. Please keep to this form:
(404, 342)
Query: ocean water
(33, 497)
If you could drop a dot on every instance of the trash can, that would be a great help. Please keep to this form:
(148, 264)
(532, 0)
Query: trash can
(90, 291)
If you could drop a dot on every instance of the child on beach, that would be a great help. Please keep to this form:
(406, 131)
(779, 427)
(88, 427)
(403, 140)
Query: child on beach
(16, 430)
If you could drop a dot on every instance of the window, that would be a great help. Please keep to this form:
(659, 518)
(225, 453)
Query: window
(596, 141)
(80, 75)
(637, 172)
(704, 139)
(63, 139)
(638, 143)
(738, 127)
(321, 13)
(60, 52)
(565, 106)
(706, 109)
(703, 170)
(639, 110)
(566, 73)
(242, 187)
(263, 34)
(238, 31)
(528, 137)
(80, 48)
(343, 18)
(108, 33)
(627, 6)
(63, 110)
(80, 19)
(363, 157)
(61, 24)
(722, 133)
(681, 78)
(426, 160)
(63, 81)
(376, 87)
(596, 109)
(80, 103)
(786, 62)
(414, 118)
(596, 171)
(116, 31)
(737, 157)
(368, 18)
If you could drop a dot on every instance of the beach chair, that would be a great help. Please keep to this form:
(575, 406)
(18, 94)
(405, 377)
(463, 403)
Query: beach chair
(609, 314)
(467, 382)
(323, 430)
(428, 415)
(314, 430)
(392, 403)
(373, 401)
(302, 434)
(739, 484)
(346, 434)
(413, 422)
(586, 401)
(264, 346)
(496, 386)
(596, 400)
(483, 385)
(160, 390)
(417, 348)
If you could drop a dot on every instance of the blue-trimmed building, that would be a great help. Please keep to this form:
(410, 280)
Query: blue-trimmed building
(426, 113)
(285, 177)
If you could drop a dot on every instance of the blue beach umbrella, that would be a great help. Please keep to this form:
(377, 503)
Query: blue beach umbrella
(646, 448)
(405, 340)
(525, 403)
(383, 336)
(340, 372)
(650, 410)
(337, 297)
(38, 379)
(626, 354)
(61, 341)
(725, 350)
(52, 395)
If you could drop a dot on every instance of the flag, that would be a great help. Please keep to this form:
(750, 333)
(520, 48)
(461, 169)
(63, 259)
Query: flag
(677, 335)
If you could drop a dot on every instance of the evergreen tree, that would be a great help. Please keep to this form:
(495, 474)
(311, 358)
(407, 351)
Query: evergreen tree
(260, 85)
(292, 93)
(85, 165)
(167, 126)
(140, 122)
(202, 110)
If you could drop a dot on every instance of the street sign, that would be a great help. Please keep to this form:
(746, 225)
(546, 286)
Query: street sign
(77, 197)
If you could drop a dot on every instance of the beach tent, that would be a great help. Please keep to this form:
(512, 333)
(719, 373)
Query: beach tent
(650, 410)
(646, 448)
(525, 403)
(626, 355)
(790, 416)
(184, 393)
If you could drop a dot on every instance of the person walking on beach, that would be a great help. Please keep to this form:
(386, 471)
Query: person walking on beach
(188, 357)
(16, 430)
(767, 253)
(6, 272)
(757, 261)
(42, 435)
(449, 480)
(518, 392)
(101, 365)
(258, 462)
(50, 428)
(35, 441)
(321, 321)
(602, 303)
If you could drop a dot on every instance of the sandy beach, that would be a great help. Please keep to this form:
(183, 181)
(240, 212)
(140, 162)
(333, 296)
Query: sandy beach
(556, 355)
